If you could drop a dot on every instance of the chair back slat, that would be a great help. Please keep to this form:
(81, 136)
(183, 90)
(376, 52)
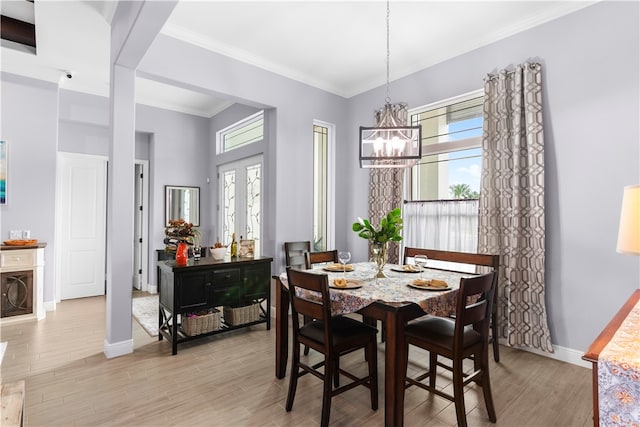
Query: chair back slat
(320, 257)
(474, 304)
(317, 283)
(485, 260)
(294, 253)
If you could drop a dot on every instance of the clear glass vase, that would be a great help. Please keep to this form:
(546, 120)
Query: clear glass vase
(379, 257)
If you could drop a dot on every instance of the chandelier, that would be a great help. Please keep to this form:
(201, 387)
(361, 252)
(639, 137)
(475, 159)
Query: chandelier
(390, 143)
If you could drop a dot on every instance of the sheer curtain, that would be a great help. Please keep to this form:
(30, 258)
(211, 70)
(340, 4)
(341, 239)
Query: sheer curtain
(511, 214)
(449, 225)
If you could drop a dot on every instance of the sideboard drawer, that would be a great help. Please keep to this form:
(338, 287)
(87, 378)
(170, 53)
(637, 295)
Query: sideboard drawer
(18, 258)
(227, 276)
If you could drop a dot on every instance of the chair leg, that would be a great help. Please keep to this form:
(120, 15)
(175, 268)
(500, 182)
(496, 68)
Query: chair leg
(329, 365)
(486, 386)
(433, 364)
(336, 373)
(458, 393)
(306, 319)
(372, 359)
(494, 326)
(293, 381)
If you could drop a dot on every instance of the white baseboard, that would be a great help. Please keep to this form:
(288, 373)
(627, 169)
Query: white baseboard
(118, 349)
(560, 353)
(50, 305)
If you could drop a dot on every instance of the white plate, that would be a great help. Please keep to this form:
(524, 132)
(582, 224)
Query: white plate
(351, 284)
(400, 269)
(427, 288)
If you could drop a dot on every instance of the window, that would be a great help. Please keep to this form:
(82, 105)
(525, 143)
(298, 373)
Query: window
(451, 150)
(322, 186)
(242, 133)
(444, 187)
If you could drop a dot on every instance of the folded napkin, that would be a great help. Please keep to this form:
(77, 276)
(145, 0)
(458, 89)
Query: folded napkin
(340, 283)
(430, 283)
(339, 266)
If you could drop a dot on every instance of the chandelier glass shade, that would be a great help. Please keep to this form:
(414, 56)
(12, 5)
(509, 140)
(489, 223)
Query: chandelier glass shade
(390, 144)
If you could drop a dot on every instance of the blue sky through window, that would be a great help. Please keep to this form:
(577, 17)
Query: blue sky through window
(466, 169)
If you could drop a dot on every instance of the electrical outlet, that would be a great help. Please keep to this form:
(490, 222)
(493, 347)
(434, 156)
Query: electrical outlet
(15, 234)
(26, 234)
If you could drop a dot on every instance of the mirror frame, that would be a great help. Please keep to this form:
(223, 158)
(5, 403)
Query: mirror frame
(168, 200)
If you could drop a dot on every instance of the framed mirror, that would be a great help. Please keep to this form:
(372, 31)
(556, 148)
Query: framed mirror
(182, 202)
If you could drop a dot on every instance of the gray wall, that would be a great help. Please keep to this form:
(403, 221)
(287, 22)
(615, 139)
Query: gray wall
(29, 125)
(291, 108)
(590, 99)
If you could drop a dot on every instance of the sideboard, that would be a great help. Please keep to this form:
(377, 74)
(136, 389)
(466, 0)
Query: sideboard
(617, 349)
(225, 289)
(22, 283)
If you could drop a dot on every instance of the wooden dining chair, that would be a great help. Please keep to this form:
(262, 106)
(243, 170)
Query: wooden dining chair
(461, 258)
(311, 258)
(294, 253)
(333, 336)
(466, 336)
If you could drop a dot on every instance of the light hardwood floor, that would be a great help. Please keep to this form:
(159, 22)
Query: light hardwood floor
(229, 380)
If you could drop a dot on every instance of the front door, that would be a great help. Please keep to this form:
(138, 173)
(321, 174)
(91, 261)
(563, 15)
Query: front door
(82, 199)
(240, 204)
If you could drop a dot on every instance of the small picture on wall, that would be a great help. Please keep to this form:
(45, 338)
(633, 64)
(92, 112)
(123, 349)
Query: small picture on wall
(3, 173)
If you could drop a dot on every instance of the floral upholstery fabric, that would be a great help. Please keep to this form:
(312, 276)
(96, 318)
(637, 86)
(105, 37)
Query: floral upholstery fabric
(619, 375)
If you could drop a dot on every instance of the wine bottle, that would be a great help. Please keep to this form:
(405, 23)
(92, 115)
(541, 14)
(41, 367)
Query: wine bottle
(234, 246)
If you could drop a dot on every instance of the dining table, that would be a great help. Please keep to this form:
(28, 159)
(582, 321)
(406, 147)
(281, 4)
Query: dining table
(394, 300)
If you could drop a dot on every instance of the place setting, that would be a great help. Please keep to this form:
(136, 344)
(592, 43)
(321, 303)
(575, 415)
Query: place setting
(422, 283)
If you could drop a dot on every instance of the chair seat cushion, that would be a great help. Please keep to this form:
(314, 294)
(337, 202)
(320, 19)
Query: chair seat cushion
(343, 329)
(439, 331)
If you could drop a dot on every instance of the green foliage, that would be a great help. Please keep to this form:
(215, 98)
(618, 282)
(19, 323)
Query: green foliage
(388, 231)
(463, 191)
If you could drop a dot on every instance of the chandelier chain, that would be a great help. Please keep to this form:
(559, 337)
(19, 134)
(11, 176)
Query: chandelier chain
(388, 99)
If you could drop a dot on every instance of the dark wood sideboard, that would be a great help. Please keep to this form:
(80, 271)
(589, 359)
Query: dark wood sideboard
(209, 285)
(593, 353)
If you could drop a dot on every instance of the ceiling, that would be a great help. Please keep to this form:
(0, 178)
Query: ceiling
(337, 46)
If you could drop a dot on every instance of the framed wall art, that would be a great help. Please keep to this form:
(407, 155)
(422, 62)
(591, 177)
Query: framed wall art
(3, 172)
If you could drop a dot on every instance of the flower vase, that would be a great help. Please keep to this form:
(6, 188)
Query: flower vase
(380, 258)
(182, 254)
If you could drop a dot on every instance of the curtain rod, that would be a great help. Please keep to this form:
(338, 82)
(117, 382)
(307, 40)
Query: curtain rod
(530, 65)
(441, 200)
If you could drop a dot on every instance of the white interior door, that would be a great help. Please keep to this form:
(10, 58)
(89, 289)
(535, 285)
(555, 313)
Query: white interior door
(240, 203)
(140, 215)
(82, 198)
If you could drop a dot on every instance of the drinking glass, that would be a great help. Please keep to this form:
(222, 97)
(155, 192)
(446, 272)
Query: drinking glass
(421, 261)
(344, 257)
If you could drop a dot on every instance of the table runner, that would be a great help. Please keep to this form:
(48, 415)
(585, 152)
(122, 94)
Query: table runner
(619, 375)
(392, 289)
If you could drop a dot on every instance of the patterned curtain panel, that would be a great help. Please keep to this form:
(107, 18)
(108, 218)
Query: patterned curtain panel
(511, 212)
(385, 194)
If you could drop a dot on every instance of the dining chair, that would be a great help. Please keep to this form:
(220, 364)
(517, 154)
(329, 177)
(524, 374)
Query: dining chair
(294, 253)
(468, 258)
(311, 258)
(333, 336)
(465, 337)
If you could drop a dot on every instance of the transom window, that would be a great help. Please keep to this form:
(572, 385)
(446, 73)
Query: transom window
(244, 132)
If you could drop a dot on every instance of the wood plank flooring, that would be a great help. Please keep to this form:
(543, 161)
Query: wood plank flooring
(228, 380)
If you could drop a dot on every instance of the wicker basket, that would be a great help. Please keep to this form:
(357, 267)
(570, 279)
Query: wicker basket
(241, 315)
(196, 324)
